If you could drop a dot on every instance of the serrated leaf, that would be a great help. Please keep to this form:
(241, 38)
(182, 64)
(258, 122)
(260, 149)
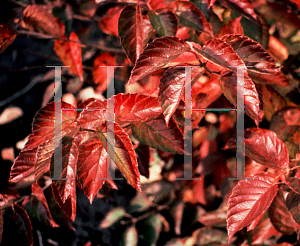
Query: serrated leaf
(70, 53)
(23, 165)
(165, 23)
(112, 217)
(38, 18)
(37, 207)
(260, 65)
(264, 147)
(156, 55)
(190, 16)
(249, 199)
(229, 83)
(130, 237)
(171, 90)
(23, 223)
(67, 154)
(131, 31)
(120, 149)
(280, 216)
(43, 125)
(157, 135)
(292, 202)
(7, 36)
(91, 167)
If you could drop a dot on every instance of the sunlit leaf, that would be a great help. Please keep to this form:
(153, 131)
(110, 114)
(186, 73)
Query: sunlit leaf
(232, 27)
(264, 147)
(130, 237)
(156, 55)
(109, 22)
(249, 200)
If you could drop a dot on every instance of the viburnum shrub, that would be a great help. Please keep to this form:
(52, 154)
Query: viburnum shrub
(160, 39)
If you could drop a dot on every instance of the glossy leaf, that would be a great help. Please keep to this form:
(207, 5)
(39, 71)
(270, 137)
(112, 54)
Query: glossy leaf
(157, 135)
(7, 36)
(91, 167)
(38, 18)
(37, 207)
(70, 53)
(171, 90)
(130, 237)
(23, 165)
(264, 147)
(120, 149)
(165, 23)
(249, 200)
(131, 31)
(280, 216)
(292, 202)
(190, 16)
(229, 82)
(65, 157)
(112, 217)
(23, 223)
(156, 55)
(43, 125)
(260, 65)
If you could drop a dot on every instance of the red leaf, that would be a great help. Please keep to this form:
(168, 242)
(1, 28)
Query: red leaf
(229, 84)
(43, 125)
(23, 165)
(280, 216)
(7, 196)
(264, 147)
(38, 18)
(91, 167)
(70, 53)
(120, 149)
(37, 207)
(293, 202)
(69, 207)
(131, 108)
(157, 135)
(294, 183)
(7, 36)
(131, 31)
(249, 199)
(190, 16)
(264, 69)
(23, 223)
(109, 23)
(232, 27)
(156, 55)
(100, 71)
(242, 7)
(66, 184)
(165, 22)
